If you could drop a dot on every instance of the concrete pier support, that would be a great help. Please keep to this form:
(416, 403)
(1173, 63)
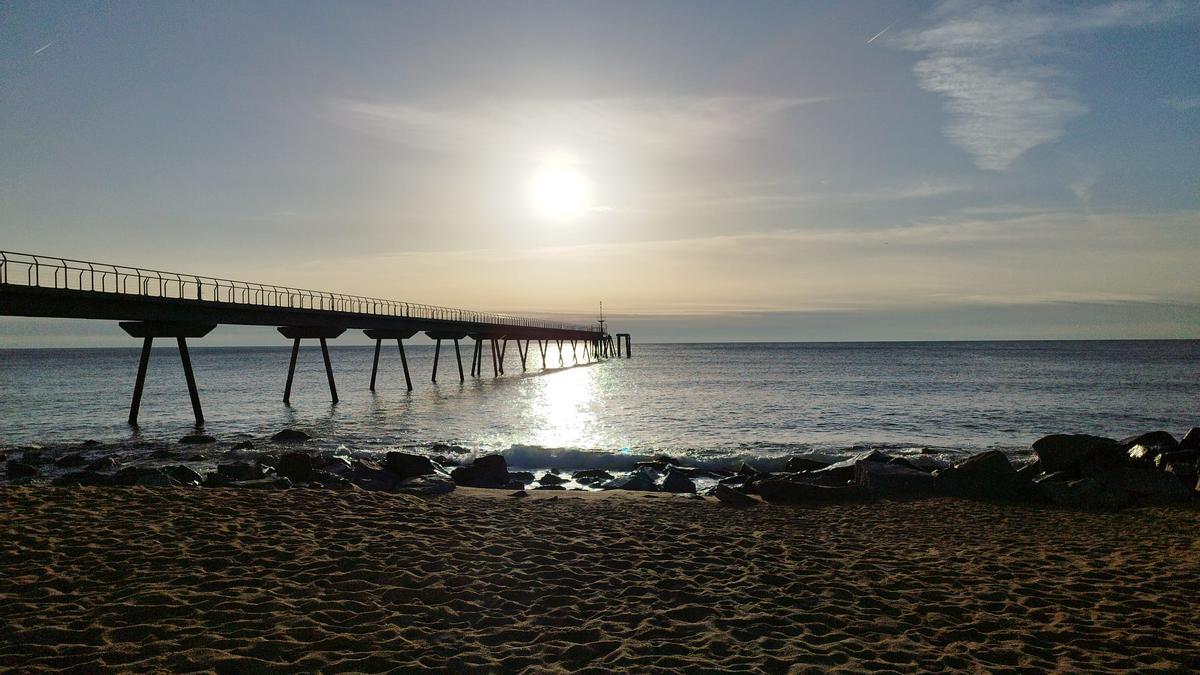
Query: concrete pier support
(181, 331)
(438, 336)
(628, 345)
(321, 333)
(399, 336)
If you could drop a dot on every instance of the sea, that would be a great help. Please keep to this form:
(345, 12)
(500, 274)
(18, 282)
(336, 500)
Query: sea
(706, 404)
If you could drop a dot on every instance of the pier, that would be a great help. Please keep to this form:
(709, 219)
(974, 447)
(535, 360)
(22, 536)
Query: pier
(151, 304)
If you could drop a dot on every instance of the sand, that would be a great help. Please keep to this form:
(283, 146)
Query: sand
(136, 579)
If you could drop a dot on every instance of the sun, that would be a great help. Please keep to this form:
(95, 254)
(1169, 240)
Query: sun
(559, 192)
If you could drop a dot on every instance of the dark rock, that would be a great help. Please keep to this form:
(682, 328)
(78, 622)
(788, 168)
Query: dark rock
(1191, 440)
(591, 476)
(797, 489)
(406, 465)
(290, 436)
(676, 482)
(734, 498)
(801, 463)
(130, 475)
(523, 476)
(489, 471)
(20, 470)
(240, 471)
(90, 443)
(1177, 457)
(263, 484)
(1057, 477)
(370, 476)
(215, 480)
(987, 475)
(107, 463)
(155, 478)
(1030, 470)
(444, 448)
(549, 487)
(746, 469)
(1184, 472)
(197, 439)
(551, 479)
(84, 478)
(1084, 493)
(162, 453)
(337, 465)
(297, 466)
(1143, 484)
(1147, 447)
(1057, 452)
(843, 471)
(183, 475)
(331, 481)
(424, 486)
(70, 461)
(891, 479)
(243, 445)
(33, 456)
(519, 493)
(640, 481)
(267, 460)
(195, 458)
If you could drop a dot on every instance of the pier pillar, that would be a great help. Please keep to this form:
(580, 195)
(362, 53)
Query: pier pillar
(524, 354)
(503, 349)
(180, 330)
(560, 354)
(320, 333)
(495, 366)
(375, 363)
(542, 348)
(438, 336)
(379, 335)
(458, 356)
(437, 352)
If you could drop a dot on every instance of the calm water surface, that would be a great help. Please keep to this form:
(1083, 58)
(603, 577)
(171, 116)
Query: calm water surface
(707, 401)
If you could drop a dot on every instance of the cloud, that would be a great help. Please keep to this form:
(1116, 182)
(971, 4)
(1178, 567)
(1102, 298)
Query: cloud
(1184, 102)
(667, 125)
(992, 63)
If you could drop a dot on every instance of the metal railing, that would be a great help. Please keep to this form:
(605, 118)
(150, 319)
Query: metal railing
(26, 269)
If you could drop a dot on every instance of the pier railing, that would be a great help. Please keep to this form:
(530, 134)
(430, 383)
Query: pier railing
(80, 275)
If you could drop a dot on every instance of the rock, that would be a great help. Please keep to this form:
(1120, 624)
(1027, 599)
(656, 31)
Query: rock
(84, 478)
(424, 486)
(290, 436)
(890, 479)
(215, 480)
(731, 497)
(130, 475)
(843, 471)
(263, 484)
(243, 445)
(551, 479)
(1057, 452)
(406, 465)
(1143, 484)
(676, 482)
(519, 493)
(987, 475)
(297, 466)
(70, 461)
(801, 463)
(549, 487)
(489, 471)
(370, 476)
(1147, 447)
(240, 471)
(197, 439)
(162, 453)
(107, 463)
(267, 460)
(155, 479)
(20, 470)
(337, 465)
(1084, 493)
(89, 443)
(1191, 440)
(640, 481)
(331, 481)
(591, 476)
(523, 476)
(195, 458)
(1185, 473)
(444, 448)
(183, 475)
(781, 490)
(1030, 470)
(1057, 477)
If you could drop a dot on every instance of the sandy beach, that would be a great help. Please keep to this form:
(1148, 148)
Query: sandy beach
(143, 579)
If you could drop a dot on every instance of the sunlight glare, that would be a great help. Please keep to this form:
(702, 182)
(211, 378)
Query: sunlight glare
(559, 192)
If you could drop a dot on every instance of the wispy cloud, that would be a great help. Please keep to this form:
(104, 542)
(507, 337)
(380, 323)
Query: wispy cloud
(994, 65)
(674, 125)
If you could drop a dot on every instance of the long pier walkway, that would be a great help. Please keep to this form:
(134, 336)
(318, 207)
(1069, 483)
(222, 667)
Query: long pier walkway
(155, 304)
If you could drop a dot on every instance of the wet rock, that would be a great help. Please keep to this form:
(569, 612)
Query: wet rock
(215, 480)
(519, 493)
(162, 453)
(197, 439)
(290, 436)
(243, 445)
(1057, 477)
(155, 479)
(70, 461)
(90, 443)
(1143, 484)
(364, 470)
(1084, 493)
(1185, 473)
(734, 498)
(1057, 452)
(195, 458)
(444, 448)
(297, 466)
(589, 476)
(843, 471)
(183, 475)
(796, 490)
(20, 469)
(640, 480)
(1191, 440)
(337, 464)
(130, 475)
(1030, 470)
(490, 471)
(676, 482)
(802, 463)
(894, 480)
(330, 481)
(425, 486)
(108, 463)
(549, 487)
(240, 471)
(267, 461)
(279, 483)
(987, 475)
(551, 479)
(523, 476)
(84, 479)
(406, 465)
(1147, 447)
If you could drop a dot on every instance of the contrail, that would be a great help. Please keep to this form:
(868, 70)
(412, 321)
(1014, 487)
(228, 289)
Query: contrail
(44, 47)
(883, 31)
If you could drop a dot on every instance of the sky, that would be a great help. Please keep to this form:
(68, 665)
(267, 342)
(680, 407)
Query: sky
(708, 170)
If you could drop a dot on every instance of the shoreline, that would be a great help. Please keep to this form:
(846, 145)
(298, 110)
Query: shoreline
(102, 580)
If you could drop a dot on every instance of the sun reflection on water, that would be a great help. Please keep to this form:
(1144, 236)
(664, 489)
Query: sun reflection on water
(563, 410)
